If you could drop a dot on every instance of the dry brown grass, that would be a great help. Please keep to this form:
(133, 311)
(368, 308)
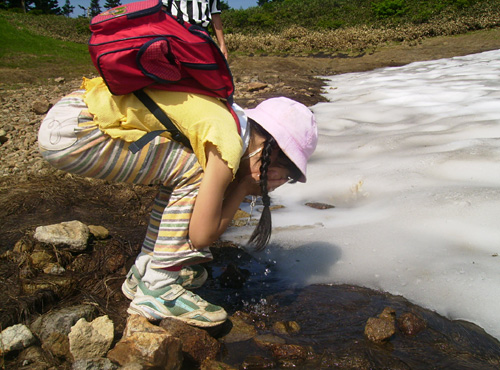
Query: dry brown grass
(298, 40)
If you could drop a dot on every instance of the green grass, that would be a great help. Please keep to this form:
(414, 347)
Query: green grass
(31, 57)
(24, 50)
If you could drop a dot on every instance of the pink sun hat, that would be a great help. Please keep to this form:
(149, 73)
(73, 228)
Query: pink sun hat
(292, 125)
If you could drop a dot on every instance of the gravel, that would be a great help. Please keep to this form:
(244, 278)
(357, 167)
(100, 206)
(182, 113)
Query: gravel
(22, 111)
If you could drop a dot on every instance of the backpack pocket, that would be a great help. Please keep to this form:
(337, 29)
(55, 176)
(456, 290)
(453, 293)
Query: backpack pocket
(156, 61)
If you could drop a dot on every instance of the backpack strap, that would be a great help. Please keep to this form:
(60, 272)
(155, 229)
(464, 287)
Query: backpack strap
(163, 118)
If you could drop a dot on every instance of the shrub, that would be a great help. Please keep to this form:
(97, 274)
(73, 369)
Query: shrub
(389, 8)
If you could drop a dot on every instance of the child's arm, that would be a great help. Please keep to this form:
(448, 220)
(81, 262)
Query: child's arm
(214, 208)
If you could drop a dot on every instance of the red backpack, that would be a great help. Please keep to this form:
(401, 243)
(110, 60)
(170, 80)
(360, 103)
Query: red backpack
(139, 45)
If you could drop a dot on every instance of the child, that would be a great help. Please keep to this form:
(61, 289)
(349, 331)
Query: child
(201, 13)
(89, 132)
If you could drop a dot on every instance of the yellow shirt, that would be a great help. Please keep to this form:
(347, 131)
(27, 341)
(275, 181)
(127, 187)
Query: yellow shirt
(201, 118)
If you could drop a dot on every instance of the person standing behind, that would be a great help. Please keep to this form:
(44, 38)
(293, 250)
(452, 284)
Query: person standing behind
(200, 13)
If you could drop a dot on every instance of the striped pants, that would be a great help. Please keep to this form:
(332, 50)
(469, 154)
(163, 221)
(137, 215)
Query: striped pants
(70, 141)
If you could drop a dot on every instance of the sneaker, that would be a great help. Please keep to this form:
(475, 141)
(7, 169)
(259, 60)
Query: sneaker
(190, 277)
(129, 286)
(193, 277)
(177, 303)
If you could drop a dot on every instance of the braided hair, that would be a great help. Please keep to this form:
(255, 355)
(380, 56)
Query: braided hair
(262, 233)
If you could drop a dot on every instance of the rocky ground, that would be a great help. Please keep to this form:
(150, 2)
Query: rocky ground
(34, 194)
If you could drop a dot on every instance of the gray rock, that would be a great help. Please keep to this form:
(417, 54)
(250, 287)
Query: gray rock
(15, 337)
(61, 320)
(73, 234)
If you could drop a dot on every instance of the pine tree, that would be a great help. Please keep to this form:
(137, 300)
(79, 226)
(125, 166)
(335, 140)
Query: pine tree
(14, 4)
(45, 7)
(112, 3)
(262, 2)
(67, 8)
(95, 8)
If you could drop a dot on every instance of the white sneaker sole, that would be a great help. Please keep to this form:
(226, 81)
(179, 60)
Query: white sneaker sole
(153, 315)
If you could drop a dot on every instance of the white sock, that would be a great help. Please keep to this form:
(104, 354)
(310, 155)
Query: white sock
(156, 279)
(142, 262)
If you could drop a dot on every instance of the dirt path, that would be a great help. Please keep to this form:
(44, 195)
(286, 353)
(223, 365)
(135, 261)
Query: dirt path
(294, 76)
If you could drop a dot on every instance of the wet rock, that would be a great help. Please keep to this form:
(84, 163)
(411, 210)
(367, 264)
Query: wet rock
(276, 207)
(289, 352)
(379, 329)
(215, 365)
(15, 338)
(61, 320)
(73, 234)
(411, 324)
(240, 331)
(147, 345)
(267, 340)
(197, 344)
(91, 340)
(388, 313)
(240, 218)
(286, 327)
(257, 362)
(350, 360)
(317, 205)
